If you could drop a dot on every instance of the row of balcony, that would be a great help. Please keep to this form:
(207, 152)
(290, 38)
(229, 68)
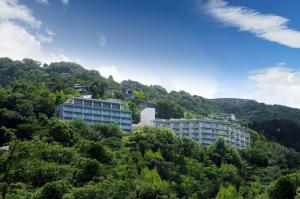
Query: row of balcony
(197, 126)
(96, 104)
(96, 112)
(97, 118)
(90, 121)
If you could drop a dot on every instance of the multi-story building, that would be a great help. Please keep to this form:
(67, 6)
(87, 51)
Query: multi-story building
(93, 111)
(205, 131)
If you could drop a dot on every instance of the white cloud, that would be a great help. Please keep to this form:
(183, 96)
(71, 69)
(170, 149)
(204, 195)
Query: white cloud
(42, 1)
(11, 10)
(276, 85)
(106, 71)
(102, 40)
(44, 38)
(144, 77)
(65, 2)
(197, 85)
(55, 57)
(266, 26)
(18, 40)
(18, 43)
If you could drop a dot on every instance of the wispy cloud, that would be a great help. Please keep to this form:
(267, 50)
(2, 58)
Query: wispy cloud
(50, 32)
(65, 2)
(42, 2)
(266, 26)
(101, 40)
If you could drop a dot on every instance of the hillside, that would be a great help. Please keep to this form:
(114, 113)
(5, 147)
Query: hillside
(278, 123)
(49, 158)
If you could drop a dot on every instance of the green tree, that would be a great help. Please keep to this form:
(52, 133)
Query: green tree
(285, 187)
(62, 132)
(98, 88)
(168, 109)
(95, 150)
(53, 190)
(103, 131)
(189, 115)
(228, 192)
(86, 170)
(139, 95)
(6, 135)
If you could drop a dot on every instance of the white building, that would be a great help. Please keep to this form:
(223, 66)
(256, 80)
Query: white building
(205, 131)
(147, 117)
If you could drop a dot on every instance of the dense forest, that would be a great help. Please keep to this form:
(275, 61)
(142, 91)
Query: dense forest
(53, 158)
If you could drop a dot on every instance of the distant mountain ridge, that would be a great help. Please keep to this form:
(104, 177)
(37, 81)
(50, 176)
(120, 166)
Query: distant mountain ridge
(266, 119)
(231, 100)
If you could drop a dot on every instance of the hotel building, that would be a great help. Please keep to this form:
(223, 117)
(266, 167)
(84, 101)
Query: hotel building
(204, 131)
(94, 111)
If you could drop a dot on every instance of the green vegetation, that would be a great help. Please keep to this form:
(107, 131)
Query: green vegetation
(278, 123)
(52, 158)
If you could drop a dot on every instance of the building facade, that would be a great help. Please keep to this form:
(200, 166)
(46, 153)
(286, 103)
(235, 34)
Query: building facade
(207, 132)
(93, 111)
(204, 131)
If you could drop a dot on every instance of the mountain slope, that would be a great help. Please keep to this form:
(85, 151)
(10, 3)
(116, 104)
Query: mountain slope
(278, 123)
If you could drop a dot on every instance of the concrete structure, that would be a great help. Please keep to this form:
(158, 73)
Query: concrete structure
(81, 89)
(205, 131)
(128, 93)
(147, 117)
(93, 111)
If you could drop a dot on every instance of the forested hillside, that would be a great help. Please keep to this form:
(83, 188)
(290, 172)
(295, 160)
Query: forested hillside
(278, 123)
(51, 158)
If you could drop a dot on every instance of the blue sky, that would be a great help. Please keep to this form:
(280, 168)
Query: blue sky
(212, 48)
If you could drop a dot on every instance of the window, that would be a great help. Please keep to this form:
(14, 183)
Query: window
(68, 108)
(88, 110)
(116, 106)
(105, 118)
(114, 113)
(97, 112)
(97, 104)
(106, 105)
(78, 101)
(106, 112)
(87, 103)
